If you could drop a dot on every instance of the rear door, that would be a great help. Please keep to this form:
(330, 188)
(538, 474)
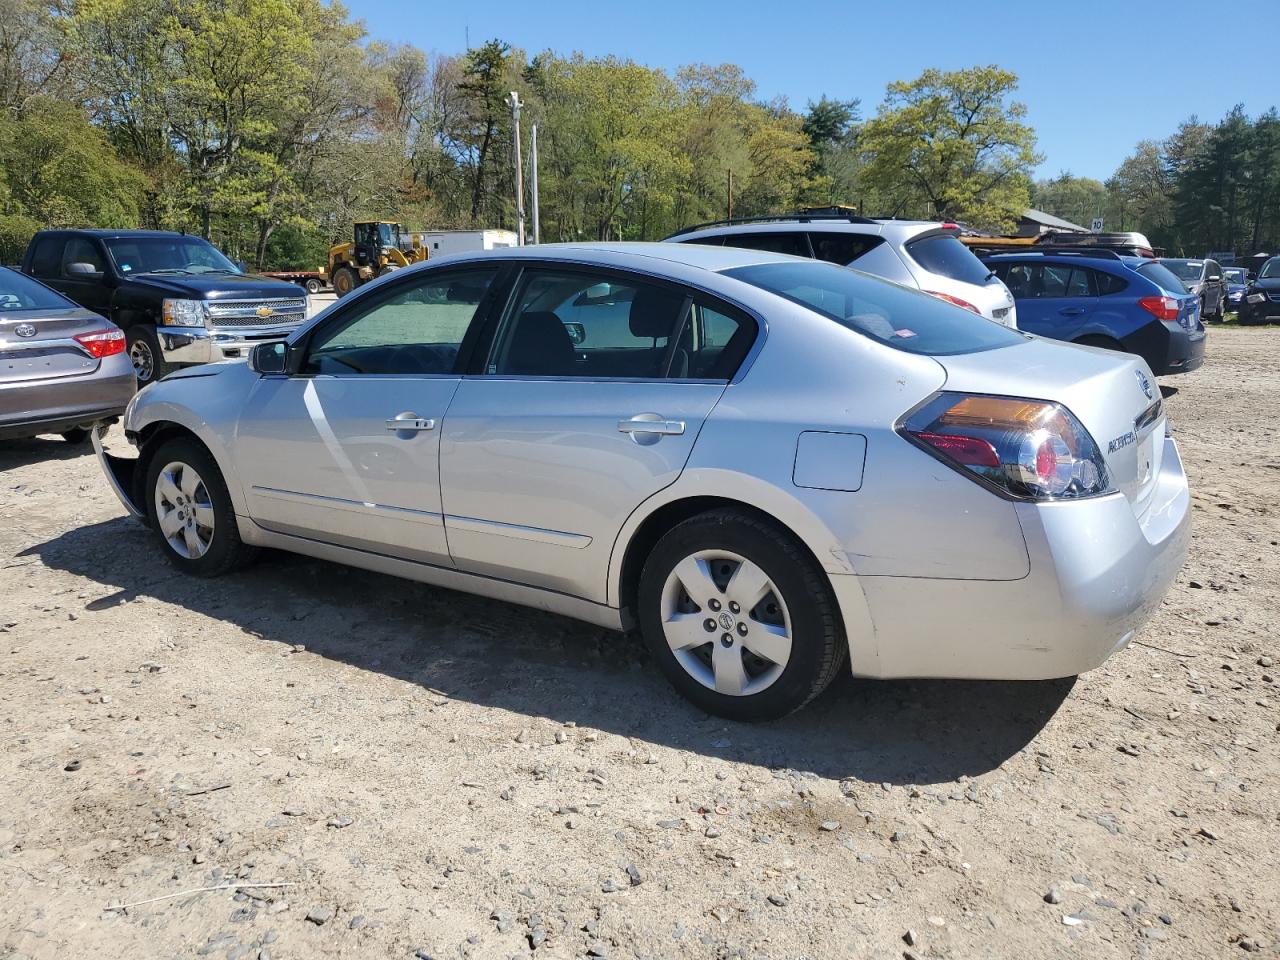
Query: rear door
(1054, 300)
(589, 402)
(347, 450)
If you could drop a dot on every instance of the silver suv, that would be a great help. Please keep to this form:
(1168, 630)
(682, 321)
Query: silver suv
(916, 253)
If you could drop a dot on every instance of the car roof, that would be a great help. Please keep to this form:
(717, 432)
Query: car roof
(639, 255)
(1033, 256)
(898, 229)
(108, 234)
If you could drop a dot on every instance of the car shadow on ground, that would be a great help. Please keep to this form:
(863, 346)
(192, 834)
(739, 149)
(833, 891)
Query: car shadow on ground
(542, 665)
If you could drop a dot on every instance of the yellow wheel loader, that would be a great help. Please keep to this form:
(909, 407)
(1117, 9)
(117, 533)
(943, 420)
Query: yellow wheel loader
(376, 248)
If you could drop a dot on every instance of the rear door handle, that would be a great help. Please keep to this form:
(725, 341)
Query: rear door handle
(651, 423)
(410, 422)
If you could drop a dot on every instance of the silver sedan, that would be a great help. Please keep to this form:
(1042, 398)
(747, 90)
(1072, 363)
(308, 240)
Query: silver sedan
(770, 466)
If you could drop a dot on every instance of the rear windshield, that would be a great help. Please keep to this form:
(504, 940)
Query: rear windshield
(946, 256)
(22, 293)
(1162, 277)
(894, 315)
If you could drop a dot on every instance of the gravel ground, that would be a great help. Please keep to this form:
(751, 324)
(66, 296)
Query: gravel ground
(427, 774)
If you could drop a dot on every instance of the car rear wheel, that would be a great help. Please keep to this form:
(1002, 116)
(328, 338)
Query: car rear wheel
(75, 435)
(191, 511)
(740, 617)
(144, 353)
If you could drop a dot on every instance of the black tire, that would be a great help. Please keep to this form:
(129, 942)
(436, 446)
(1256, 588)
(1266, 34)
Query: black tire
(76, 435)
(312, 285)
(225, 551)
(818, 645)
(344, 281)
(144, 352)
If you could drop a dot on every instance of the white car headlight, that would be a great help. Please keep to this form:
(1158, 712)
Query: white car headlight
(1256, 297)
(183, 313)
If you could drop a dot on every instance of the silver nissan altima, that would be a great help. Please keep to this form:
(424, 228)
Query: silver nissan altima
(766, 464)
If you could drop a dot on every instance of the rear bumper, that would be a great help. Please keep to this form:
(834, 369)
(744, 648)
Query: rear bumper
(1167, 347)
(1097, 574)
(189, 345)
(30, 408)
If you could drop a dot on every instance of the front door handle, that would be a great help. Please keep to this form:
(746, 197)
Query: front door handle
(651, 423)
(1071, 311)
(410, 423)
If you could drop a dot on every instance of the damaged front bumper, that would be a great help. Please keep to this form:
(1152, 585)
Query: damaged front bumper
(121, 473)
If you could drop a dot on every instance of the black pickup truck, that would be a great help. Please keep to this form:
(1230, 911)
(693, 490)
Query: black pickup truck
(177, 298)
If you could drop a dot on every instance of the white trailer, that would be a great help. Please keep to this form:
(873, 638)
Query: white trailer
(441, 243)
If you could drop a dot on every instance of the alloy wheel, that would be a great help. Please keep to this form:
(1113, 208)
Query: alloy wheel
(726, 622)
(184, 510)
(144, 362)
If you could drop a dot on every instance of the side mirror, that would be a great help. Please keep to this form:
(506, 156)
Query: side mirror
(86, 271)
(269, 358)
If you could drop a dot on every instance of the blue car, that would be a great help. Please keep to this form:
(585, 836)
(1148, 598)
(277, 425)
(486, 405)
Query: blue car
(1103, 299)
(1237, 284)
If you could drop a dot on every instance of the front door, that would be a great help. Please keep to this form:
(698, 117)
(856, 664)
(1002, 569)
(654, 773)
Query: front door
(590, 402)
(91, 290)
(1054, 300)
(347, 449)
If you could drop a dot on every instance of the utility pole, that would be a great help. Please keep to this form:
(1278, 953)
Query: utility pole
(514, 103)
(533, 180)
(730, 217)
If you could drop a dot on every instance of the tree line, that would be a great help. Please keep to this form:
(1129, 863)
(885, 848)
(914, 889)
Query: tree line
(270, 125)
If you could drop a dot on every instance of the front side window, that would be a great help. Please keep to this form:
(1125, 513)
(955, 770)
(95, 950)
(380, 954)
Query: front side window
(582, 325)
(417, 329)
(80, 250)
(885, 312)
(946, 256)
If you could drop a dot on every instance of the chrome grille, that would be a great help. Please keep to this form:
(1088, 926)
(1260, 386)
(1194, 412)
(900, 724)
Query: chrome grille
(1274, 297)
(244, 313)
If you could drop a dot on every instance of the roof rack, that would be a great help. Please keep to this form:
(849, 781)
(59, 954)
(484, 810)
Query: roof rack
(776, 218)
(1061, 250)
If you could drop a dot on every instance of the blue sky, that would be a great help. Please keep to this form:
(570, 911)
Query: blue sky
(1096, 77)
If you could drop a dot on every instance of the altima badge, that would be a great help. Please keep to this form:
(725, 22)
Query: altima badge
(25, 330)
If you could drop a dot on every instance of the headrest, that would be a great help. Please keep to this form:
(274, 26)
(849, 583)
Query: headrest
(654, 312)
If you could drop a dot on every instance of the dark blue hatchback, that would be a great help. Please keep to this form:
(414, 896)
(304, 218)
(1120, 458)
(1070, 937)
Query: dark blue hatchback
(1101, 299)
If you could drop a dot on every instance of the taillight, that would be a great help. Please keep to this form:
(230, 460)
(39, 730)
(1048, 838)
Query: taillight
(1162, 308)
(102, 343)
(1029, 449)
(954, 300)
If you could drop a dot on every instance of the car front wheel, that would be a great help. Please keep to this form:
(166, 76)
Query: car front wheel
(740, 617)
(191, 511)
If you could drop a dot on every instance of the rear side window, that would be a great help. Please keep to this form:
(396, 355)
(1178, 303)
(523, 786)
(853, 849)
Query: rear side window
(842, 248)
(946, 256)
(80, 250)
(1162, 277)
(794, 244)
(46, 258)
(1031, 281)
(712, 343)
(885, 312)
(1109, 283)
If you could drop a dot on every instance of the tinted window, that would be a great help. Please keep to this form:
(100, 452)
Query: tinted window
(712, 343)
(1235, 275)
(416, 329)
(1030, 281)
(893, 315)
(946, 256)
(46, 258)
(1109, 283)
(80, 250)
(794, 244)
(161, 254)
(1270, 269)
(882, 261)
(580, 325)
(841, 248)
(22, 293)
(1162, 278)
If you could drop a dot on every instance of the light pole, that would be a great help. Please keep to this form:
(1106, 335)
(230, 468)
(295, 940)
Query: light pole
(514, 103)
(533, 180)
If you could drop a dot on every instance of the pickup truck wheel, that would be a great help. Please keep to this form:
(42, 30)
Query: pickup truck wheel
(191, 511)
(344, 281)
(144, 353)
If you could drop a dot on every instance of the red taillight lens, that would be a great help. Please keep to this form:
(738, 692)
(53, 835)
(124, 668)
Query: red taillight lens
(1030, 449)
(1162, 308)
(956, 301)
(102, 343)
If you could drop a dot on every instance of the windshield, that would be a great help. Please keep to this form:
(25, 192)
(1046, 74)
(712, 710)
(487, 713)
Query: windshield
(22, 293)
(1162, 277)
(943, 254)
(389, 234)
(894, 315)
(167, 255)
(1236, 275)
(1185, 269)
(1270, 270)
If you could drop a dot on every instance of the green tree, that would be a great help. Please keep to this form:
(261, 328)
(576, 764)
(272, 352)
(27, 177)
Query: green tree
(951, 145)
(1077, 199)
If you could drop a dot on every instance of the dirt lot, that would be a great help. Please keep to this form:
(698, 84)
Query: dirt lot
(436, 775)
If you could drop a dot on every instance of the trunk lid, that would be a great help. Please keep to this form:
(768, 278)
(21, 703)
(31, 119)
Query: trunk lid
(40, 344)
(1113, 395)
